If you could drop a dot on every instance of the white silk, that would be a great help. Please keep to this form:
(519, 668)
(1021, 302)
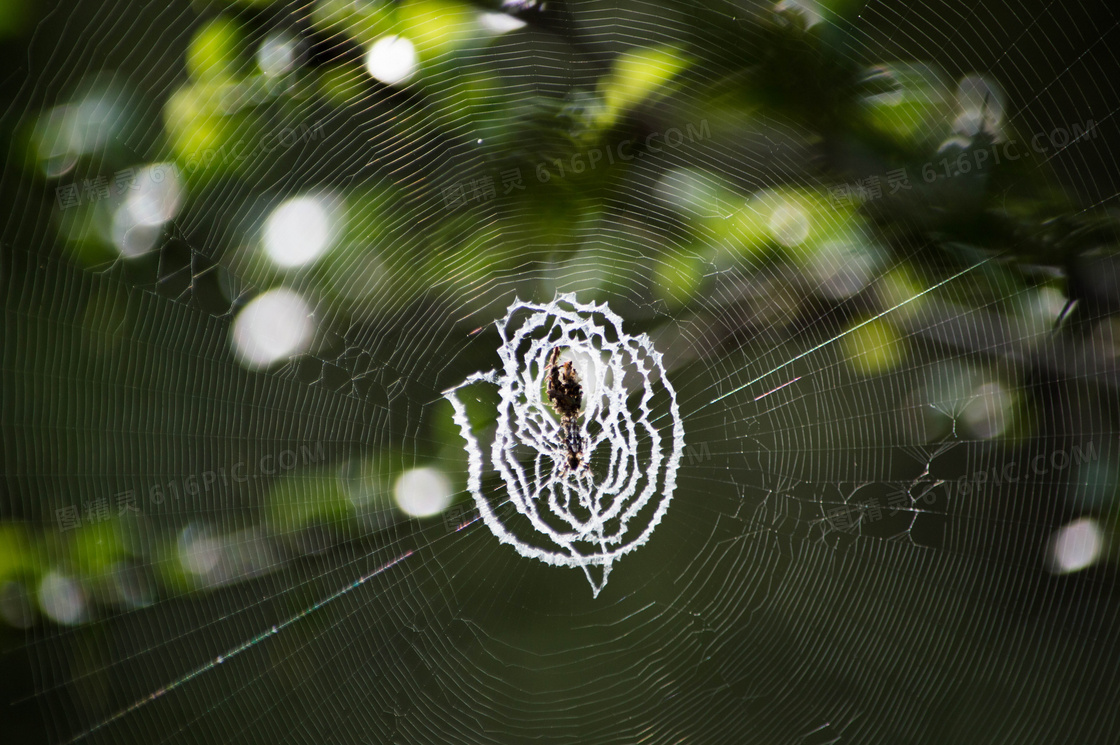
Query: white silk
(587, 517)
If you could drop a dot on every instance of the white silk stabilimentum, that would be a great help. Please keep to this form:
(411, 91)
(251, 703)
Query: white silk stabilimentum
(591, 515)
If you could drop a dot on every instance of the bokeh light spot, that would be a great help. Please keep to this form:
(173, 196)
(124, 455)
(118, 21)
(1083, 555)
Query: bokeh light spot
(276, 55)
(61, 598)
(155, 197)
(500, 23)
(988, 413)
(422, 492)
(272, 327)
(1075, 546)
(299, 231)
(392, 60)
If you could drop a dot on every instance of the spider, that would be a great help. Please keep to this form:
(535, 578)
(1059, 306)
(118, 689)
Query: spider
(565, 394)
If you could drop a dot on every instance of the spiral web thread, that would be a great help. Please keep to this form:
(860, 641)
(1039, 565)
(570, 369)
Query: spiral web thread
(583, 517)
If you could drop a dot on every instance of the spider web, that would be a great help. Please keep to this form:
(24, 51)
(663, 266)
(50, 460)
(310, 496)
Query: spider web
(894, 505)
(589, 516)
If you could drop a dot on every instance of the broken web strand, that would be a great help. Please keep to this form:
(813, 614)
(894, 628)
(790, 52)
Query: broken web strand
(235, 651)
(845, 501)
(841, 335)
(524, 421)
